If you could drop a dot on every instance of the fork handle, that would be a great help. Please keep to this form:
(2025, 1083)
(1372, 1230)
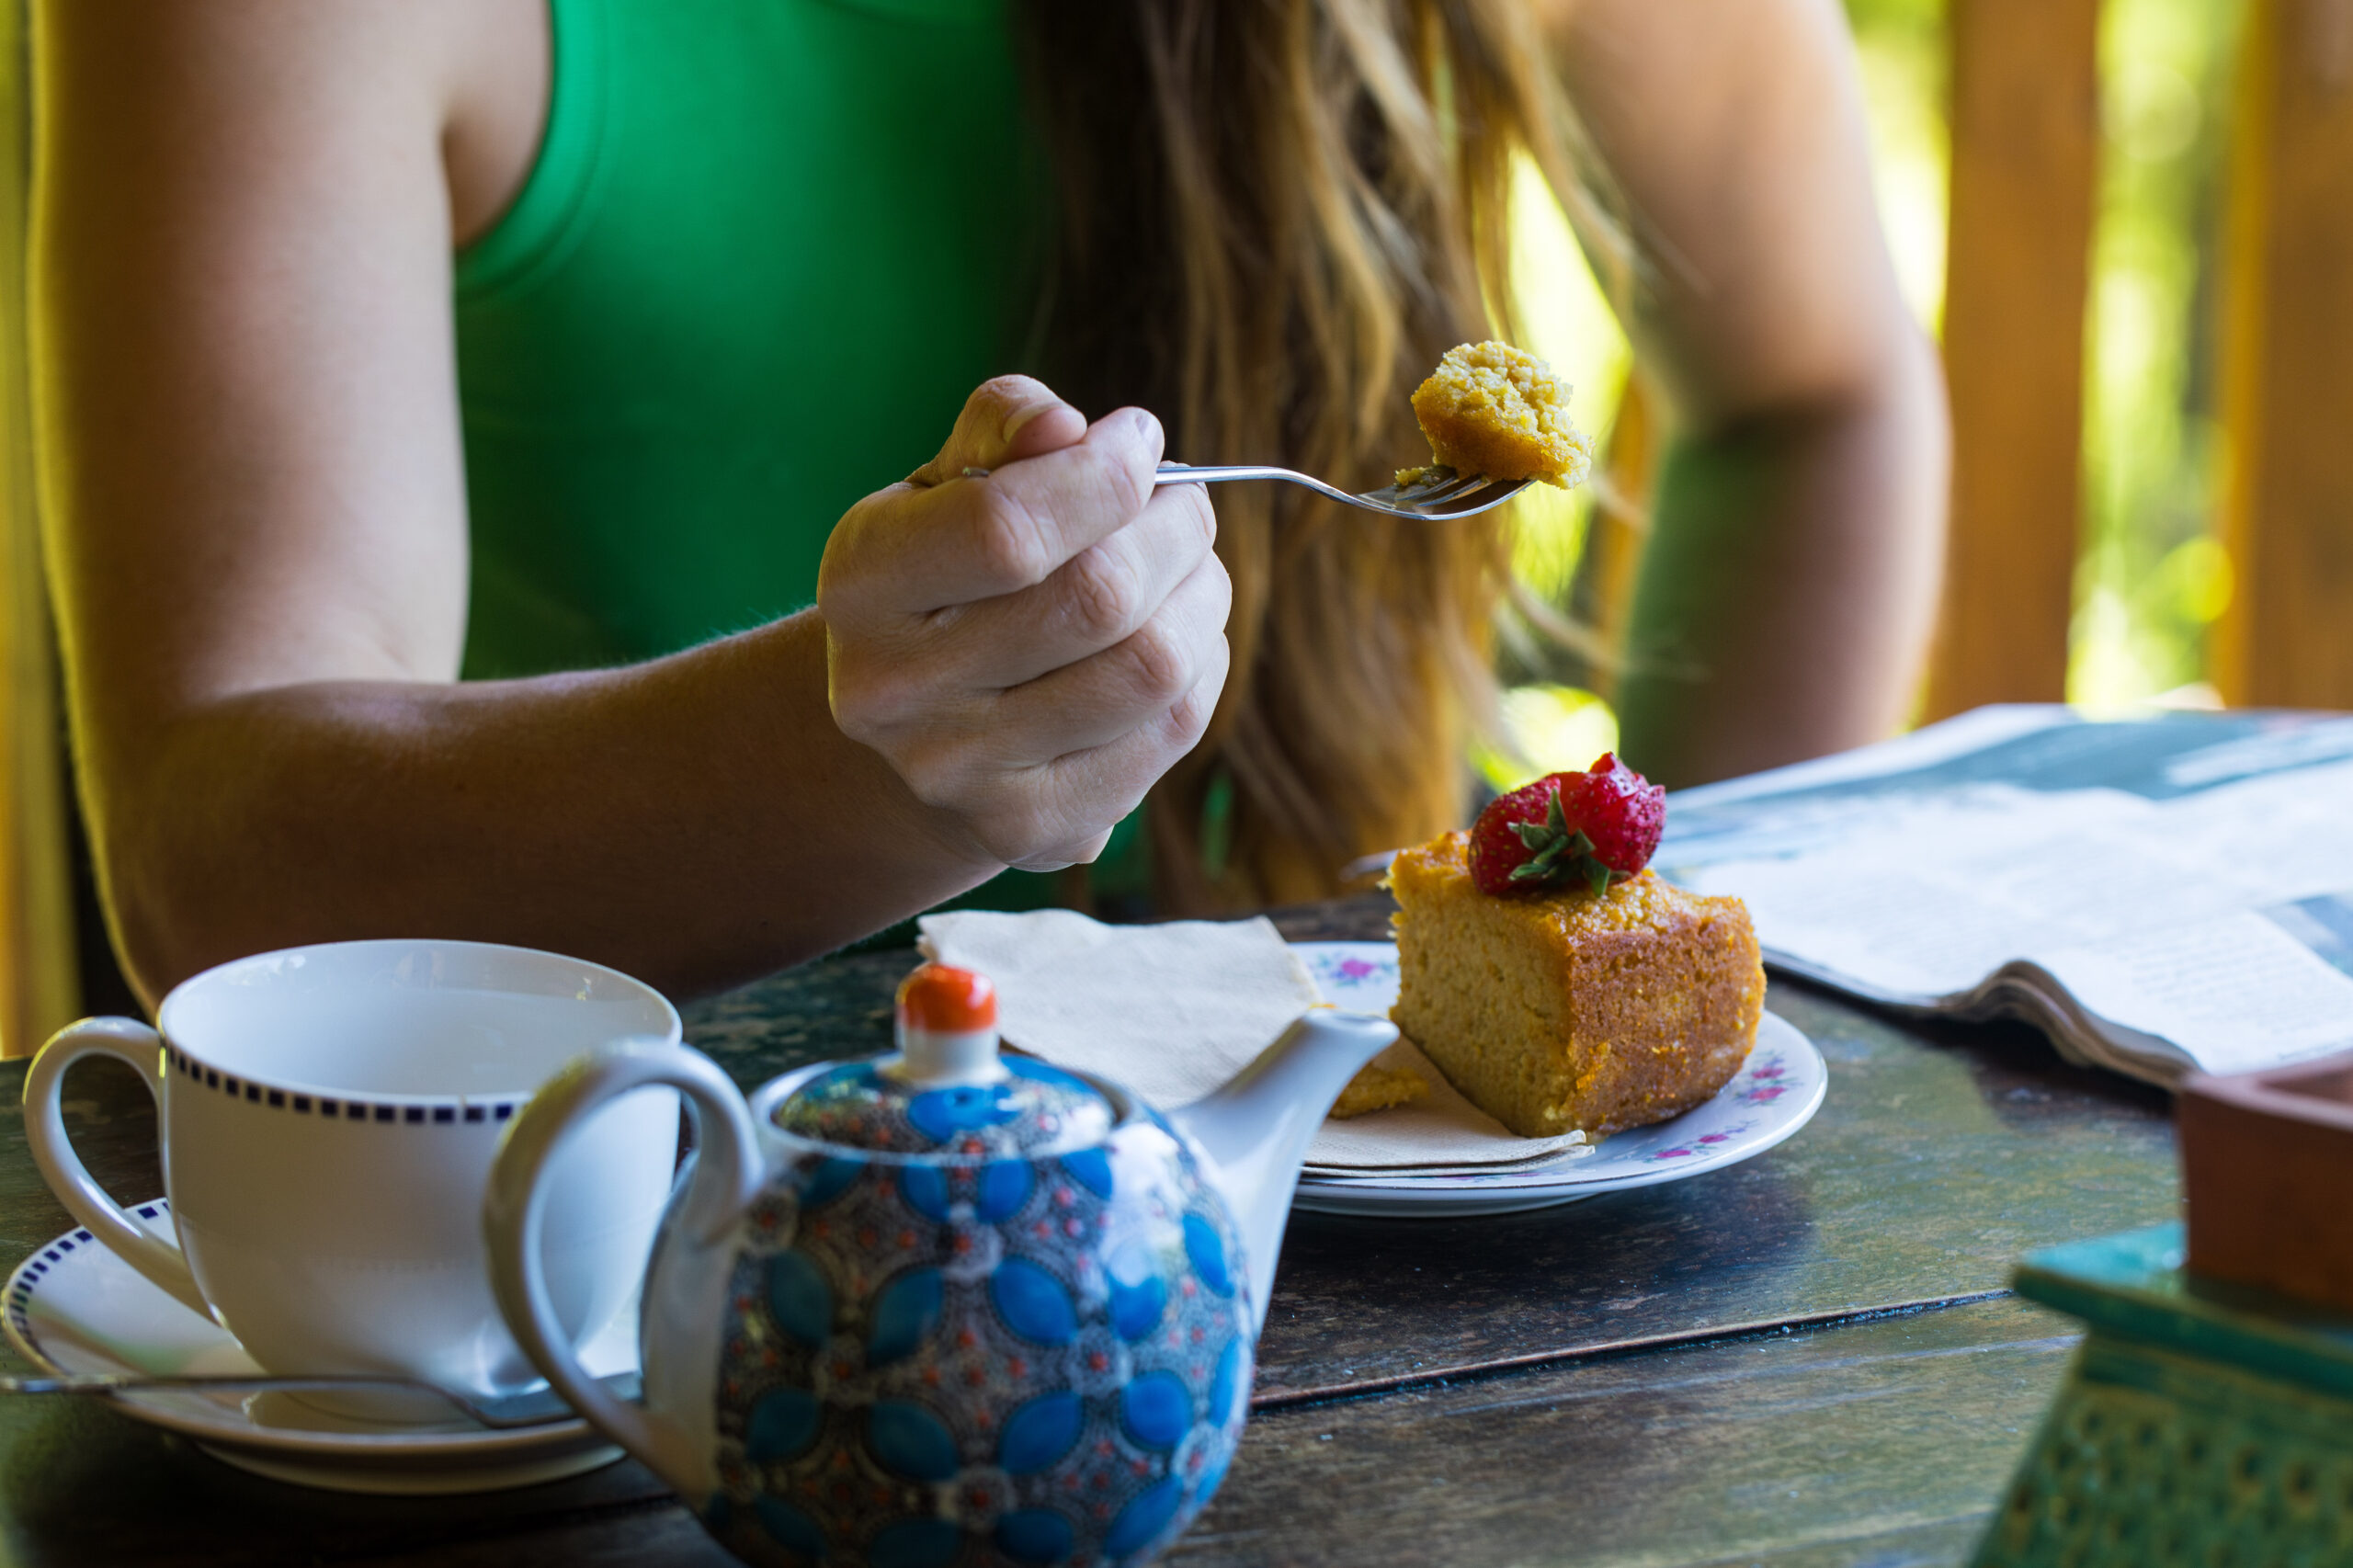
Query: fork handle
(1213, 473)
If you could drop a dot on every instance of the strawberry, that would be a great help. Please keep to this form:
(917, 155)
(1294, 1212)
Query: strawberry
(1597, 826)
(1619, 810)
(1498, 852)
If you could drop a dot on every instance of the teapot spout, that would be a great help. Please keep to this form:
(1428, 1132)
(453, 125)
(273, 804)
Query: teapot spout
(1256, 1127)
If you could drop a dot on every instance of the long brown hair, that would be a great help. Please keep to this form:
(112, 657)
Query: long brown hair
(1277, 214)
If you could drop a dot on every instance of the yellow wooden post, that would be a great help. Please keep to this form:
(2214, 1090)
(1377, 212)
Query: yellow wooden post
(2287, 638)
(39, 989)
(2025, 163)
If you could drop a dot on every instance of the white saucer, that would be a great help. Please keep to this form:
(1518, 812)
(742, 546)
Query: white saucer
(73, 1307)
(1776, 1092)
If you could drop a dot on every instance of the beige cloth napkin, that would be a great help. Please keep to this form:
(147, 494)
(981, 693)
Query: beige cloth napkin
(1175, 1010)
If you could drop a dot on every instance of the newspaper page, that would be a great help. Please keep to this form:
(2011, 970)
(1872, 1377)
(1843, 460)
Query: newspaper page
(2161, 894)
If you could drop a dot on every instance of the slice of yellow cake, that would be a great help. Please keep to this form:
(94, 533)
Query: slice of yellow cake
(1565, 1008)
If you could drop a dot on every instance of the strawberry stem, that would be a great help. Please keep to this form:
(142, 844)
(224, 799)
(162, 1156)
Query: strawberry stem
(1557, 851)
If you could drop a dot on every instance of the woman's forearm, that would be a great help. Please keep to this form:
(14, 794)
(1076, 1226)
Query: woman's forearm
(1788, 590)
(696, 820)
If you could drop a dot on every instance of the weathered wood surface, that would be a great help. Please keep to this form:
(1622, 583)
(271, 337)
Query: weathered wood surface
(2286, 640)
(1736, 1451)
(2025, 162)
(1935, 1161)
(1880, 1444)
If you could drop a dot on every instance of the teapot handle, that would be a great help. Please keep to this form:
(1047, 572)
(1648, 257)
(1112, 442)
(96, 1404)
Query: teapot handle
(726, 1178)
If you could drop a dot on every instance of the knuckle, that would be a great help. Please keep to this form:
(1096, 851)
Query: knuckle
(1008, 542)
(1219, 585)
(853, 718)
(1130, 484)
(1190, 719)
(1101, 596)
(1083, 851)
(835, 599)
(867, 709)
(883, 690)
(933, 793)
(1001, 390)
(928, 789)
(1175, 732)
(937, 777)
(1017, 832)
(1148, 431)
(1182, 518)
(840, 567)
(1160, 666)
(1195, 499)
(1123, 466)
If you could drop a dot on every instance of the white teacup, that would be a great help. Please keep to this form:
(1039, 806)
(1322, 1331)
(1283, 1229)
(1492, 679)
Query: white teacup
(328, 1116)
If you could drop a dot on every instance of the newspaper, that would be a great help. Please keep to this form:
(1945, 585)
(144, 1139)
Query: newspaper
(2161, 894)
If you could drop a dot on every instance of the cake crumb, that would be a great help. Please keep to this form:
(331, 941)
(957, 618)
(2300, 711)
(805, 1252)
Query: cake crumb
(1377, 1088)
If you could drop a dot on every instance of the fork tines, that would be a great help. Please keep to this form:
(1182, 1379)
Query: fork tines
(1434, 484)
(1439, 490)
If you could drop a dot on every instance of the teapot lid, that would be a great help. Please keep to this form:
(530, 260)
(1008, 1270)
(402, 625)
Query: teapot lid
(947, 1091)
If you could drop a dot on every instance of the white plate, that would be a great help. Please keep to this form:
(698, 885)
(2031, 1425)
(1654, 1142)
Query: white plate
(1776, 1092)
(73, 1307)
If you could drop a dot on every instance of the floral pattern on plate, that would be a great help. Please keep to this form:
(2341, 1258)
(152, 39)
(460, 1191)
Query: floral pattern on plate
(1357, 974)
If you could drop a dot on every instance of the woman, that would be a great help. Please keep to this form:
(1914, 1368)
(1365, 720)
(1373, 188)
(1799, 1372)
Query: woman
(401, 339)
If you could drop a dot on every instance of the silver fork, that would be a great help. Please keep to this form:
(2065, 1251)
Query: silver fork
(535, 1409)
(1438, 495)
(1435, 496)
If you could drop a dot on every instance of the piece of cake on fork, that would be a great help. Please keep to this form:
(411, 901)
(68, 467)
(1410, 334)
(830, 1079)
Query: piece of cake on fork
(1493, 409)
(1558, 983)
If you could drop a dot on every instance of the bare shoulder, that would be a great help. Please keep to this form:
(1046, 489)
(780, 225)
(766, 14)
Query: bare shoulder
(266, 55)
(285, 89)
(1734, 131)
(240, 278)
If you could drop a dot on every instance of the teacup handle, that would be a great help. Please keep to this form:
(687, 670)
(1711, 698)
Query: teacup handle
(726, 1178)
(128, 1041)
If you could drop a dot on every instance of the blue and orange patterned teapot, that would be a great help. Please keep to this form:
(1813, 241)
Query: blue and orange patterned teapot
(943, 1306)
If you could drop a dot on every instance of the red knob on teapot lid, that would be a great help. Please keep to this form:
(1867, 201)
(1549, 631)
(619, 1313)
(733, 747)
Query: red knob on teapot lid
(946, 1092)
(941, 999)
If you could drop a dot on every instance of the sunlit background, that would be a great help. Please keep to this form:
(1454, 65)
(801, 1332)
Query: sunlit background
(2152, 577)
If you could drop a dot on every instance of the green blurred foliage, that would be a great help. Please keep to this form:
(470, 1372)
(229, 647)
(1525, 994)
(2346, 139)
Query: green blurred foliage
(1900, 53)
(1566, 319)
(1546, 723)
(2151, 579)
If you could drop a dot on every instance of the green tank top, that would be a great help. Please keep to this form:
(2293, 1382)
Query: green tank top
(766, 249)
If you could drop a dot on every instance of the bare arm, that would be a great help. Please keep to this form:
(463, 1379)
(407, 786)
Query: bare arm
(1788, 589)
(259, 540)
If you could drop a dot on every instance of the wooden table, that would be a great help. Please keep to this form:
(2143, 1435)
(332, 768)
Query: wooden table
(1808, 1359)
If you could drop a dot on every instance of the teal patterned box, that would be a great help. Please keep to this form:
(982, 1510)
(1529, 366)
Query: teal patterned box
(2201, 1423)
